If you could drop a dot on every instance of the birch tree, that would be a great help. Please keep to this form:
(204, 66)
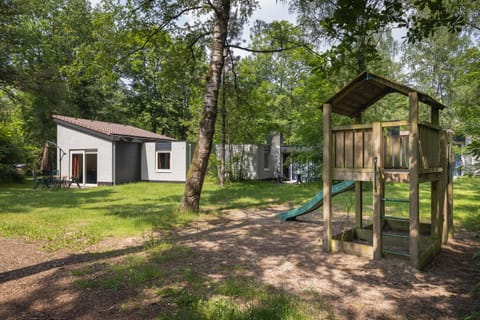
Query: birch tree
(198, 168)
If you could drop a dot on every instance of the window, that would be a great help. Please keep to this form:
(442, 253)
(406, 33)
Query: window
(266, 159)
(163, 160)
(83, 166)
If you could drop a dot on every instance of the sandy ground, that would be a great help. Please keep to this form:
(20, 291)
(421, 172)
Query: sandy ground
(35, 284)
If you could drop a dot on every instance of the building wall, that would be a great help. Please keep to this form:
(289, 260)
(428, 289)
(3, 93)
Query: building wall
(275, 158)
(244, 161)
(72, 140)
(253, 162)
(127, 162)
(180, 159)
(467, 164)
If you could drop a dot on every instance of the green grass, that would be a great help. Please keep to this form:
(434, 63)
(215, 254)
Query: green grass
(466, 203)
(75, 218)
(165, 271)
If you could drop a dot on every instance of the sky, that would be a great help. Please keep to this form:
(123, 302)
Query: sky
(269, 10)
(272, 10)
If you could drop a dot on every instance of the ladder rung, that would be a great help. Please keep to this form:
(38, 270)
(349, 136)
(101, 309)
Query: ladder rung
(397, 235)
(395, 200)
(395, 218)
(398, 253)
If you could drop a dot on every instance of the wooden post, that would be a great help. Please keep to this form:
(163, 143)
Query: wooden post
(448, 210)
(414, 236)
(327, 178)
(358, 189)
(435, 187)
(378, 186)
(358, 204)
(442, 189)
(435, 117)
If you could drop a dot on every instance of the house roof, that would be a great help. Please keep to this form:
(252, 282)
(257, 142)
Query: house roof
(366, 89)
(112, 130)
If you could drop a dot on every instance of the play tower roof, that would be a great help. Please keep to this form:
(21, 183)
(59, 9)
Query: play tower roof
(366, 89)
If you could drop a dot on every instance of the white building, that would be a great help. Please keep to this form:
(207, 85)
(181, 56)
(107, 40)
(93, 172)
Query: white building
(104, 153)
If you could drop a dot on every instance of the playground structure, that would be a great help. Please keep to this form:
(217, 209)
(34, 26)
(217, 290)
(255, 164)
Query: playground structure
(408, 151)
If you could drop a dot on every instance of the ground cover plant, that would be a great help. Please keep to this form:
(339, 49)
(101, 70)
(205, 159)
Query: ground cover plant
(162, 276)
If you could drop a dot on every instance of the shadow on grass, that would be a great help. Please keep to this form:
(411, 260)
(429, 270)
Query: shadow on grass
(258, 194)
(17, 274)
(23, 199)
(157, 280)
(161, 212)
(222, 272)
(239, 268)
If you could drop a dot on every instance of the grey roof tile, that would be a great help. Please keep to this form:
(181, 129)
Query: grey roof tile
(111, 129)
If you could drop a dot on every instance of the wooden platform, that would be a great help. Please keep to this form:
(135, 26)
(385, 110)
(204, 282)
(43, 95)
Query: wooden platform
(395, 241)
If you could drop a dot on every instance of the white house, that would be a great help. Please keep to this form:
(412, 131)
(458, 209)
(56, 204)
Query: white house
(252, 162)
(265, 162)
(104, 153)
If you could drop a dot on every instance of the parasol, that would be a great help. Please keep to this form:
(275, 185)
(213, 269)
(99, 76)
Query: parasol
(46, 166)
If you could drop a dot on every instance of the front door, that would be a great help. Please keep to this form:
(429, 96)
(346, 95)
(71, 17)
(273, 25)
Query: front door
(84, 166)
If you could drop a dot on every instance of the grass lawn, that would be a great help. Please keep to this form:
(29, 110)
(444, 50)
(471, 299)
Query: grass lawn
(78, 217)
(75, 218)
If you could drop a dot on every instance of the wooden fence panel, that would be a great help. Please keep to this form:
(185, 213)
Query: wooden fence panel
(349, 149)
(339, 142)
(358, 149)
(367, 150)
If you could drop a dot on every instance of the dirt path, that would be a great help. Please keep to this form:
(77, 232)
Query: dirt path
(35, 284)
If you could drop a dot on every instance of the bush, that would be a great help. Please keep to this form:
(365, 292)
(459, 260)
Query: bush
(11, 153)
(8, 173)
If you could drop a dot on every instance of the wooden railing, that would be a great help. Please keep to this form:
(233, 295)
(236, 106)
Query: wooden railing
(352, 146)
(429, 146)
(395, 145)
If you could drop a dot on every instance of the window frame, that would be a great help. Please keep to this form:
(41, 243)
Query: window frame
(157, 153)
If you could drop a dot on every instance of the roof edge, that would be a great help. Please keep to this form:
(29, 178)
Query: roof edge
(392, 87)
(111, 136)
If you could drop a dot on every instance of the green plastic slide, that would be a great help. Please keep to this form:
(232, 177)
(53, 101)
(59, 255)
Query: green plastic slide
(316, 201)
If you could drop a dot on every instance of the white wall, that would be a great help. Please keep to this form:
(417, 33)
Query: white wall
(72, 140)
(249, 159)
(179, 163)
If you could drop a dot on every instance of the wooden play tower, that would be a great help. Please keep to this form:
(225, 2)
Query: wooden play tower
(409, 151)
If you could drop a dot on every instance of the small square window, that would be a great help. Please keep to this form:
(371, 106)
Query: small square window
(163, 161)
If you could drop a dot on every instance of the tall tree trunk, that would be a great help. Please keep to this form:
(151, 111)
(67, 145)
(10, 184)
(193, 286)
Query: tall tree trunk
(198, 168)
(224, 134)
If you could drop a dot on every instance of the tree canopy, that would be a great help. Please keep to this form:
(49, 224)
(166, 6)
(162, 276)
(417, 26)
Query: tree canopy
(159, 65)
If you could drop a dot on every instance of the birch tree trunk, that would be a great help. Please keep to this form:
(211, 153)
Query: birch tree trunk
(198, 168)
(224, 134)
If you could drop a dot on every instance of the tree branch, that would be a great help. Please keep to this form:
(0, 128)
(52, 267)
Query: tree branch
(163, 25)
(214, 8)
(265, 50)
(191, 47)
